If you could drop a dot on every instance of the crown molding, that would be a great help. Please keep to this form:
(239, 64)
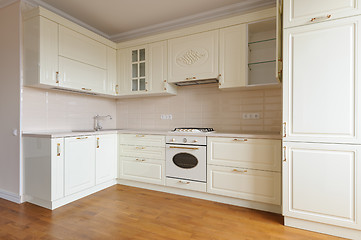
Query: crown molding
(5, 3)
(192, 19)
(36, 3)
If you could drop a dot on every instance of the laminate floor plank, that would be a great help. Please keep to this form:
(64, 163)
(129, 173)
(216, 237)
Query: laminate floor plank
(123, 212)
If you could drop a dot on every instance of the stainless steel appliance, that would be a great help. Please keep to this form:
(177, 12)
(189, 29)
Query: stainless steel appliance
(186, 155)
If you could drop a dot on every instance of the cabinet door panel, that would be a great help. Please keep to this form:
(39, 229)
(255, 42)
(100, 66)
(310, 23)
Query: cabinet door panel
(321, 182)
(247, 184)
(80, 76)
(158, 67)
(142, 152)
(81, 48)
(193, 56)
(106, 157)
(79, 164)
(112, 84)
(233, 56)
(144, 140)
(300, 12)
(57, 168)
(321, 84)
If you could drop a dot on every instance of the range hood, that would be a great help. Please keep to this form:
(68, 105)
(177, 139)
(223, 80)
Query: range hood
(196, 82)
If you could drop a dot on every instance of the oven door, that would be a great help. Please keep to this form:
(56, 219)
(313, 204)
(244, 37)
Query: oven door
(186, 162)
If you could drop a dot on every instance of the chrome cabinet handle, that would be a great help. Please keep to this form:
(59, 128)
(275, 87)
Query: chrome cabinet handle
(58, 149)
(240, 171)
(97, 142)
(314, 19)
(184, 182)
(240, 139)
(189, 148)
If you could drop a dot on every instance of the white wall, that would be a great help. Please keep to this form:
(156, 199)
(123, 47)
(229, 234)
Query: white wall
(10, 101)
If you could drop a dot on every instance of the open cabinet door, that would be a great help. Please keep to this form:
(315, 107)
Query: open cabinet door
(279, 27)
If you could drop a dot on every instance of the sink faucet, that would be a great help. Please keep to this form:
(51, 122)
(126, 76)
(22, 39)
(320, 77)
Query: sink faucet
(97, 125)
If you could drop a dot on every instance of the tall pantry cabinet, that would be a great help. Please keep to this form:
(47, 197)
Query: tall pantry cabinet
(321, 113)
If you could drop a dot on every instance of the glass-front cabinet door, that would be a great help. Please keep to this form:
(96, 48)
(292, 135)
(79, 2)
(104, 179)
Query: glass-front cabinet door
(138, 70)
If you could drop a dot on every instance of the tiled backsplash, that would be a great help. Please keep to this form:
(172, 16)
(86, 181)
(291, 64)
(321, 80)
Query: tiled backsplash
(55, 110)
(204, 106)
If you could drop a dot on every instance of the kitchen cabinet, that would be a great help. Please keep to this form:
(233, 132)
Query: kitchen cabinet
(106, 157)
(79, 171)
(249, 184)
(244, 168)
(301, 12)
(193, 57)
(44, 168)
(142, 158)
(60, 54)
(41, 52)
(322, 183)
(321, 86)
(143, 70)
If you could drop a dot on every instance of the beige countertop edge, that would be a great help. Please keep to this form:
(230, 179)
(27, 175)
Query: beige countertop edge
(260, 135)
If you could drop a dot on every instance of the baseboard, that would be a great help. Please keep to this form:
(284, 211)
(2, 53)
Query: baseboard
(13, 197)
(68, 199)
(323, 228)
(205, 196)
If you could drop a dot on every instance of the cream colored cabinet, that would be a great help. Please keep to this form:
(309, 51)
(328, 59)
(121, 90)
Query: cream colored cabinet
(40, 52)
(112, 81)
(322, 183)
(142, 158)
(262, 154)
(249, 184)
(43, 169)
(143, 169)
(79, 171)
(193, 57)
(233, 57)
(321, 87)
(143, 70)
(301, 12)
(105, 158)
(245, 168)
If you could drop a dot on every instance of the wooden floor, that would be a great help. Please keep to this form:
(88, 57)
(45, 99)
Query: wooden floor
(122, 212)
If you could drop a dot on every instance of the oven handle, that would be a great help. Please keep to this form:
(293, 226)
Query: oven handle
(190, 148)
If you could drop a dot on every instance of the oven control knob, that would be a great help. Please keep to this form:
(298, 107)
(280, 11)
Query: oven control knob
(184, 140)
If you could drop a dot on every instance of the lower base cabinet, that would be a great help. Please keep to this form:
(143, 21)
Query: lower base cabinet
(254, 185)
(143, 170)
(106, 158)
(322, 183)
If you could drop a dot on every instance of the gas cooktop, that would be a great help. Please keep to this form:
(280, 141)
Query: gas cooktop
(193, 130)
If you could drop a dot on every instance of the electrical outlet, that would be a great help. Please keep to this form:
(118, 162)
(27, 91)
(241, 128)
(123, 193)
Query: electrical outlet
(163, 116)
(170, 117)
(166, 116)
(250, 115)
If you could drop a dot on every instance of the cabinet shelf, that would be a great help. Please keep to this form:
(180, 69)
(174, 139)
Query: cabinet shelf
(261, 41)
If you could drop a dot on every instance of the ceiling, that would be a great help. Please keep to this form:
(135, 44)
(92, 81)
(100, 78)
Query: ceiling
(125, 19)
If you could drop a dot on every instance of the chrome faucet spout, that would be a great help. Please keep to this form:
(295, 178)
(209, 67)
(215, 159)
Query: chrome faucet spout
(97, 125)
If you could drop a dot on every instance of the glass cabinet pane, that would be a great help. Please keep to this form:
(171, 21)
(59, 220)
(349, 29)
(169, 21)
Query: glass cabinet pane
(142, 84)
(134, 70)
(135, 56)
(142, 54)
(142, 70)
(134, 85)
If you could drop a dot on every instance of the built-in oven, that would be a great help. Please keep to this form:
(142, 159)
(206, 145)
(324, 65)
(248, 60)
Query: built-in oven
(186, 158)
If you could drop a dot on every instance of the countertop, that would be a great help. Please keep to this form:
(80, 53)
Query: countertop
(60, 134)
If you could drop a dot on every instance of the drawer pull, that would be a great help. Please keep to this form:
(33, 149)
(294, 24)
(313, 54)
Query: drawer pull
(86, 89)
(240, 139)
(140, 148)
(139, 135)
(58, 149)
(97, 142)
(81, 138)
(284, 129)
(184, 182)
(240, 171)
(284, 154)
(314, 19)
(140, 160)
(189, 148)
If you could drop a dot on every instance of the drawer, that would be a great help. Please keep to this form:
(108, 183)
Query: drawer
(142, 152)
(186, 184)
(261, 154)
(143, 140)
(142, 170)
(254, 185)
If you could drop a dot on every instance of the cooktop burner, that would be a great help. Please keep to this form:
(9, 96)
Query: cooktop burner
(194, 130)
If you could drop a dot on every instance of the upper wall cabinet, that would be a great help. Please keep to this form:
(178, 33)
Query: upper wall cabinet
(142, 70)
(61, 54)
(193, 57)
(301, 12)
